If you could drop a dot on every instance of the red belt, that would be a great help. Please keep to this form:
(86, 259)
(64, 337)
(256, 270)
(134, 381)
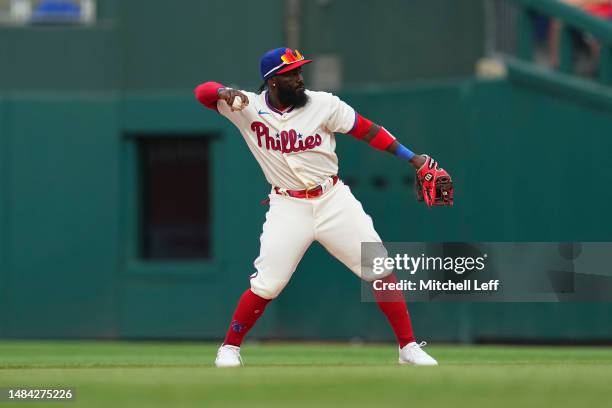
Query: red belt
(312, 192)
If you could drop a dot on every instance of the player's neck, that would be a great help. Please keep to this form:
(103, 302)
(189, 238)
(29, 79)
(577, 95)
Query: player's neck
(273, 101)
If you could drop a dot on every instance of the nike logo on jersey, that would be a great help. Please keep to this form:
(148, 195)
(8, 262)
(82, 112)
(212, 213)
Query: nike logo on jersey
(263, 112)
(287, 142)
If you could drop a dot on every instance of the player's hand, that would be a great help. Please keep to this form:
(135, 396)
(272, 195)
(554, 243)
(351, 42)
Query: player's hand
(418, 161)
(433, 184)
(230, 96)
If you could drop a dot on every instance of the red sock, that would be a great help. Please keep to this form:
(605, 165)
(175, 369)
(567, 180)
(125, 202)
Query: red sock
(393, 305)
(250, 307)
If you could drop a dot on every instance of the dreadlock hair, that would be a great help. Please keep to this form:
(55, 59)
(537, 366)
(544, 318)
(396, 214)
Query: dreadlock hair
(263, 86)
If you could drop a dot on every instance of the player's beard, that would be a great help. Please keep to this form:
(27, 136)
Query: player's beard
(292, 97)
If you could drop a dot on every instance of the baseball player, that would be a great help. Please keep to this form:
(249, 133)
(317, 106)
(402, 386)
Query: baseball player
(290, 131)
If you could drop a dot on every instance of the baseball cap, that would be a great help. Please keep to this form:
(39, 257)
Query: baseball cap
(279, 61)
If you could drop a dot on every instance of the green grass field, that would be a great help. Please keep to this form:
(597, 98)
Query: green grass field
(115, 374)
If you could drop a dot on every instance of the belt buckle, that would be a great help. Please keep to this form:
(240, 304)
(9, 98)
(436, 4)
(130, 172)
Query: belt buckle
(309, 189)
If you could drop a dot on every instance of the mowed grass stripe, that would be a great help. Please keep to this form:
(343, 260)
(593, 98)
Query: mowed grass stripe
(121, 374)
(35, 354)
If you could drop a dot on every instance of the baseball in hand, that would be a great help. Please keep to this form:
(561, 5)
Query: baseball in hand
(237, 104)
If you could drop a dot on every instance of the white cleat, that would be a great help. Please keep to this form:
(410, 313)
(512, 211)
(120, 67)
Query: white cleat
(413, 354)
(228, 356)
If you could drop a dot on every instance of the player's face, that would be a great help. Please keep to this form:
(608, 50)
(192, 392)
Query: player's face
(291, 89)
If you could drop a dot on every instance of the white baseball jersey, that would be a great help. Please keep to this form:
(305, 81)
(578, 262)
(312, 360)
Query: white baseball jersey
(295, 149)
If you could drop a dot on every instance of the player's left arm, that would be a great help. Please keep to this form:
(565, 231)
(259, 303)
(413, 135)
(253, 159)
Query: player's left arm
(433, 184)
(379, 138)
(344, 119)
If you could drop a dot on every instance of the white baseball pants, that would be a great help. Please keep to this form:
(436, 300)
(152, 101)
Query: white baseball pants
(336, 220)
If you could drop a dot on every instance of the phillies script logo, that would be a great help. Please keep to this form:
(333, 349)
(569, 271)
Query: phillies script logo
(287, 141)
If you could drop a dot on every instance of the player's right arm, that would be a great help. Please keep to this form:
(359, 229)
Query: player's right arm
(209, 93)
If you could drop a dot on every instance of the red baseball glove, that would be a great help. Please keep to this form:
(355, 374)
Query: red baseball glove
(433, 184)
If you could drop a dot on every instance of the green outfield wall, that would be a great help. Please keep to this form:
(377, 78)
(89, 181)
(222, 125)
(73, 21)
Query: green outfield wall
(165, 45)
(68, 219)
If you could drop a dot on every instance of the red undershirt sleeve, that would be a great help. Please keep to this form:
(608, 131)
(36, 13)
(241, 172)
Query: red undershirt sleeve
(206, 93)
(381, 140)
(361, 127)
